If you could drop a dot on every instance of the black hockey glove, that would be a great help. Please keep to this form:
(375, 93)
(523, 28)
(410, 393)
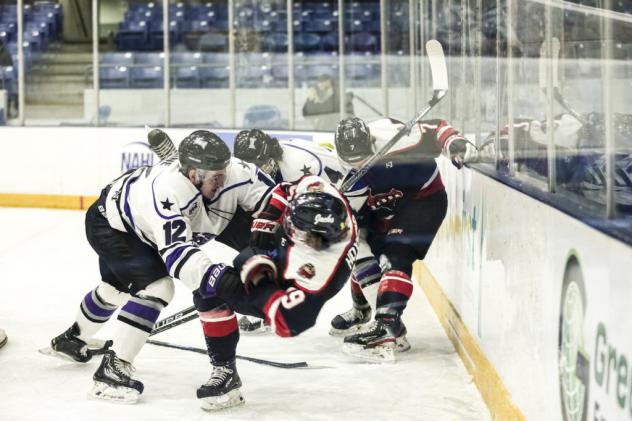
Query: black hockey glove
(219, 281)
(255, 266)
(461, 151)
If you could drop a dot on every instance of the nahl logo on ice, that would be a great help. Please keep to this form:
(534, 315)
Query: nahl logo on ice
(136, 154)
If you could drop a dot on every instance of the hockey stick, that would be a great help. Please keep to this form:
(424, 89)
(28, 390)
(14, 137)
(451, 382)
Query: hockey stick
(301, 364)
(440, 88)
(557, 94)
(174, 320)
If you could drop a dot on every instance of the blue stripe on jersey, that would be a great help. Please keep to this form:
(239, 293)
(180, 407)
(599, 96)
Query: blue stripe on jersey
(190, 202)
(153, 196)
(320, 163)
(359, 185)
(265, 178)
(126, 208)
(175, 255)
(210, 202)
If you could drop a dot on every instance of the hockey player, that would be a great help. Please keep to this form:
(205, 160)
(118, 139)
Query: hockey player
(285, 160)
(143, 227)
(404, 204)
(287, 285)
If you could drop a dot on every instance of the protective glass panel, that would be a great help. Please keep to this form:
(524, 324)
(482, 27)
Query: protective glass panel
(579, 134)
(398, 45)
(261, 63)
(620, 89)
(9, 62)
(199, 65)
(131, 72)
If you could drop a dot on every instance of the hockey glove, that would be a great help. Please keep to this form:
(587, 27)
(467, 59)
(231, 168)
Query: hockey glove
(461, 151)
(255, 266)
(263, 233)
(217, 279)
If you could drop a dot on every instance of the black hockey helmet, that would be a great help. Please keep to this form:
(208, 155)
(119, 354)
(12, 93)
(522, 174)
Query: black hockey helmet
(259, 148)
(203, 150)
(316, 218)
(256, 147)
(353, 140)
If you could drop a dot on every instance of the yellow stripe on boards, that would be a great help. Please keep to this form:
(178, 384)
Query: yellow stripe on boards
(50, 201)
(494, 393)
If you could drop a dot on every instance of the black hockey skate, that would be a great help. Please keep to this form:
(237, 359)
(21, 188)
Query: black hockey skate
(221, 391)
(378, 343)
(68, 346)
(113, 380)
(350, 321)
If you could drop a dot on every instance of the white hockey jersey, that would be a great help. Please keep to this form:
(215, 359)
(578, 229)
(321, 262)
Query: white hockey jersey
(163, 208)
(301, 158)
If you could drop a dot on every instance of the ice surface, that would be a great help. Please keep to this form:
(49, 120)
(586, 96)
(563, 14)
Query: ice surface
(47, 266)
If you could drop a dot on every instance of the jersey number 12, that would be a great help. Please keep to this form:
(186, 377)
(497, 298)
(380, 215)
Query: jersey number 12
(173, 231)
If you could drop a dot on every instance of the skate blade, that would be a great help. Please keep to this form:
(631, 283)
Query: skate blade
(105, 392)
(4, 341)
(217, 403)
(377, 355)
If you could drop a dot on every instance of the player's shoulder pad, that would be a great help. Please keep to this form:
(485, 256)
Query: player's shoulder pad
(172, 192)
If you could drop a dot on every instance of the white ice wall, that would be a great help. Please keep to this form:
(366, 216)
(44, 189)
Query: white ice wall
(501, 258)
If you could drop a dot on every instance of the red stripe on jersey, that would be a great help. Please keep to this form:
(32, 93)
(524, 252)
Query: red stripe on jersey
(276, 319)
(396, 281)
(435, 186)
(220, 328)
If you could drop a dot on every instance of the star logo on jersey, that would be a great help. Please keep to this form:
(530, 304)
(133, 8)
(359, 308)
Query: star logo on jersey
(307, 271)
(167, 204)
(306, 170)
(243, 164)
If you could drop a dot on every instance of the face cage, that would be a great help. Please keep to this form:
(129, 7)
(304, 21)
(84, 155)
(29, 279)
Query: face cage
(268, 166)
(214, 174)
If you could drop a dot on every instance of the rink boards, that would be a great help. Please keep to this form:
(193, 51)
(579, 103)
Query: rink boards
(536, 302)
(544, 297)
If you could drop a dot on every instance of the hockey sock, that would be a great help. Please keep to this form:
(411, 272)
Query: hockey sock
(395, 289)
(367, 274)
(221, 333)
(134, 324)
(96, 308)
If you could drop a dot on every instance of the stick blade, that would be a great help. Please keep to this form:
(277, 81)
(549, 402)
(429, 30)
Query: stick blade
(439, 70)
